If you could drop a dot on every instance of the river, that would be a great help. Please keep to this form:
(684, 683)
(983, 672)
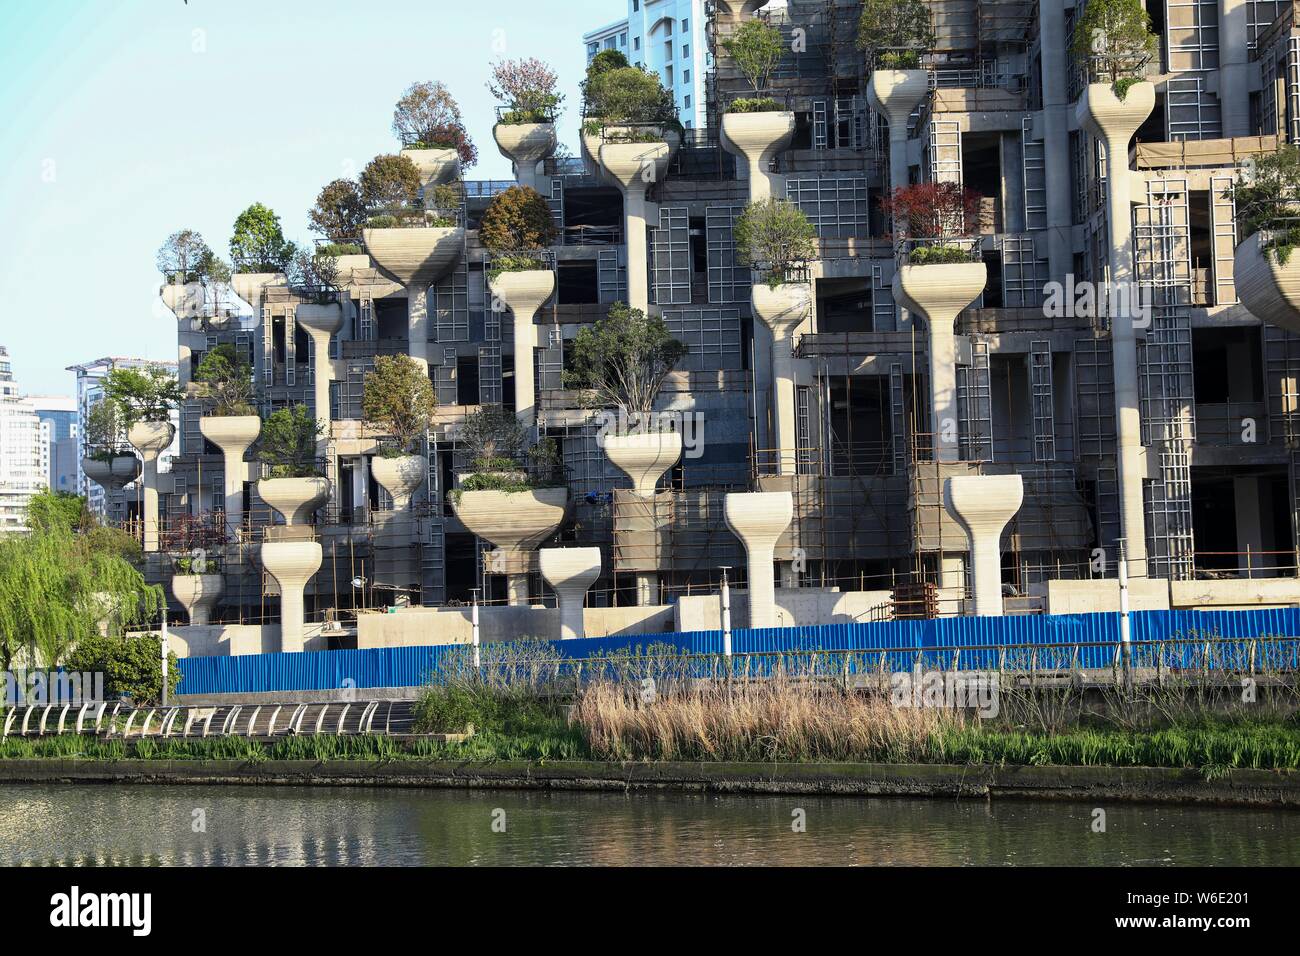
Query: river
(301, 826)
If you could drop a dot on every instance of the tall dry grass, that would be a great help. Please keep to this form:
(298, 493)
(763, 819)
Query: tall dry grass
(776, 719)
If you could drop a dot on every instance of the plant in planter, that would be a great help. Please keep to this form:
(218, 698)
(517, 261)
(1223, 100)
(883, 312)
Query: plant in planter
(937, 221)
(398, 401)
(428, 117)
(894, 33)
(629, 96)
(1113, 41)
(142, 395)
(776, 238)
(314, 276)
(340, 212)
(184, 258)
(515, 223)
(108, 461)
(528, 90)
(756, 49)
(225, 382)
(1266, 271)
(257, 243)
(494, 441)
(390, 191)
(294, 485)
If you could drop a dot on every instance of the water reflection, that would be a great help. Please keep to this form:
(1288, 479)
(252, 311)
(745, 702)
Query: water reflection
(269, 826)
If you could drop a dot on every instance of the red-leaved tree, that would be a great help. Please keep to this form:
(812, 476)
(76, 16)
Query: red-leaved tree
(933, 211)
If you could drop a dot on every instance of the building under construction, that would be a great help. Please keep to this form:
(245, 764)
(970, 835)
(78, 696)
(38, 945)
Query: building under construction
(1218, 398)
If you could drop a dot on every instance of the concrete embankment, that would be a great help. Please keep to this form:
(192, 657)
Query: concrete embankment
(1253, 788)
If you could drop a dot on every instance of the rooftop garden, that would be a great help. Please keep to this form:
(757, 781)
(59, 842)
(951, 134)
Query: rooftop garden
(528, 91)
(935, 223)
(516, 227)
(1113, 41)
(895, 34)
(428, 117)
(756, 49)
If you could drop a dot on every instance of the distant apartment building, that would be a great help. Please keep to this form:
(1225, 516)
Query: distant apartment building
(24, 460)
(667, 37)
(60, 433)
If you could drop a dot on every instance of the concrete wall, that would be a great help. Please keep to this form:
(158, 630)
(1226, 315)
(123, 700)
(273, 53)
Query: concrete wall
(794, 606)
(220, 640)
(1235, 594)
(417, 627)
(1091, 597)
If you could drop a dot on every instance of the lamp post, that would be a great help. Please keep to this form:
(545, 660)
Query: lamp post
(163, 642)
(473, 616)
(1125, 624)
(726, 614)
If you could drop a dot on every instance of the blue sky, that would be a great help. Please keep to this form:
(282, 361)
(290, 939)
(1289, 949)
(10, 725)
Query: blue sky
(125, 120)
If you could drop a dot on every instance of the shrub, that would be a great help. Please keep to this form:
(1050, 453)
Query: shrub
(184, 257)
(390, 182)
(142, 394)
(623, 359)
(492, 435)
(517, 220)
(934, 211)
(756, 49)
(132, 666)
(340, 212)
(900, 27)
(288, 443)
(938, 255)
(775, 237)
(1267, 197)
(1113, 40)
(398, 399)
(104, 431)
(764, 104)
(257, 243)
(529, 88)
(630, 96)
(225, 380)
(428, 117)
(336, 249)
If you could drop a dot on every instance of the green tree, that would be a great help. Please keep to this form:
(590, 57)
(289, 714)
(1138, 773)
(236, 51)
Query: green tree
(288, 442)
(339, 213)
(184, 257)
(624, 359)
(104, 433)
(258, 243)
(398, 400)
(1113, 41)
(630, 95)
(894, 33)
(1267, 197)
(60, 581)
(390, 183)
(775, 237)
(142, 394)
(428, 117)
(225, 381)
(517, 220)
(756, 49)
(494, 437)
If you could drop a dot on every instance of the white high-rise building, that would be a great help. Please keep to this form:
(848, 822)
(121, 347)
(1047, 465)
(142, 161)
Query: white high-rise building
(667, 37)
(24, 457)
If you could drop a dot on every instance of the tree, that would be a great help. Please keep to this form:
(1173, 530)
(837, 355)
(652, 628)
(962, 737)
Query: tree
(934, 211)
(1113, 40)
(528, 88)
(314, 276)
(1267, 197)
(398, 400)
(104, 433)
(184, 257)
(756, 48)
(517, 220)
(894, 33)
(132, 667)
(630, 95)
(288, 442)
(494, 438)
(225, 381)
(428, 117)
(339, 213)
(142, 394)
(58, 585)
(390, 182)
(775, 237)
(258, 243)
(624, 359)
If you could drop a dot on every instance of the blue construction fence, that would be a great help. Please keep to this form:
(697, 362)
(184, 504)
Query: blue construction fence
(1176, 638)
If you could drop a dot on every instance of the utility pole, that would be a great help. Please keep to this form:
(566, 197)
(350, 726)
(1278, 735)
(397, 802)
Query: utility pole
(473, 617)
(726, 614)
(163, 642)
(1125, 624)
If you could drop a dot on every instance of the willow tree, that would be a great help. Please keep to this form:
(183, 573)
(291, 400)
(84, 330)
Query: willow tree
(61, 581)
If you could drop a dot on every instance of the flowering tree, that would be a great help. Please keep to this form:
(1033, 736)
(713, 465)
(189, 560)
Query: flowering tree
(529, 88)
(428, 117)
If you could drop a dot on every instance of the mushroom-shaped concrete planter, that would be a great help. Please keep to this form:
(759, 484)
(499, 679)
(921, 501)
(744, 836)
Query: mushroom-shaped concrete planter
(634, 166)
(321, 320)
(758, 138)
(198, 594)
(185, 301)
(513, 521)
(525, 145)
(436, 166)
(292, 564)
(295, 498)
(400, 476)
(938, 292)
(569, 572)
(1269, 289)
(783, 308)
(1111, 119)
(251, 286)
(644, 456)
(233, 434)
(151, 439)
(759, 519)
(115, 473)
(523, 293)
(983, 504)
(419, 256)
(738, 9)
(895, 94)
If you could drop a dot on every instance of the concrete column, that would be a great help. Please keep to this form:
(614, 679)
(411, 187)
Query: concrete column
(895, 94)
(1250, 530)
(1056, 137)
(783, 310)
(517, 589)
(418, 324)
(523, 294)
(570, 572)
(321, 322)
(525, 145)
(635, 167)
(151, 439)
(983, 504)
(759, 519)
(1234, 68)
(1114, 122)
(198, 594)
(292, 564)
(233, 435)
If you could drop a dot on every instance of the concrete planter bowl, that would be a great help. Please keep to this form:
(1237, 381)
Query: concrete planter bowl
(525, 144)
(757, 138)
(151, 438)
(635, 165)
(198, 594)
(782, 308)
(644, 457)
(250, 286)
(320, 319)
(295, 498)
(400, 477)
(523, 292)
(415, 256)
(1112, 120)
(896, 94)
(436, 166)
(513, 520)
(1269, 290)
(233, 434)
(185, 301)
(114, 474)
(941, 290)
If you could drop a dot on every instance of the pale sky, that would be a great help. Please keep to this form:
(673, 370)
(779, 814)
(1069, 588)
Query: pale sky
(125, 120)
